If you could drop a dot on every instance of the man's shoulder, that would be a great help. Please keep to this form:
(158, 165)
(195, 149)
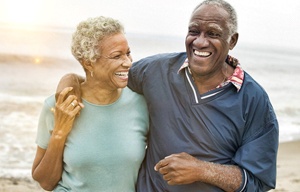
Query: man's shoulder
(162, 57)
(252, 87)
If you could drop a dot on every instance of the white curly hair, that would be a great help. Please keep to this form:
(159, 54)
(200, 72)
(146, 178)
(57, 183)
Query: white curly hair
(87, 38)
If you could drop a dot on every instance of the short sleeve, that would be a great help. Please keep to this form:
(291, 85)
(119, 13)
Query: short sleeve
(135, 79)
(45, 123)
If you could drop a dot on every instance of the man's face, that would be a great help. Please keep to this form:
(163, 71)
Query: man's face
(208, 41)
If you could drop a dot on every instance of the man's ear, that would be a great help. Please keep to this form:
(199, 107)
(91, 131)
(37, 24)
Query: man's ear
(233, 40)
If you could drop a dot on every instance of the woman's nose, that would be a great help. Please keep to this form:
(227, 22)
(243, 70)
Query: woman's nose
(127, 62)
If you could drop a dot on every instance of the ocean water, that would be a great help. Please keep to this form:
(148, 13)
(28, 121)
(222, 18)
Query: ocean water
(32, 61)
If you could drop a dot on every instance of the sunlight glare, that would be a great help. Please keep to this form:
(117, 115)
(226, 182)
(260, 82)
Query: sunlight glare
(22, 12)
(37, 60)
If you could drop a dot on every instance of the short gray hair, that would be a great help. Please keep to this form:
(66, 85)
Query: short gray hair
(88, 35)
(232, 23)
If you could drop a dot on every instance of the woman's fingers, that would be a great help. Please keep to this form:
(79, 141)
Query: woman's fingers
(74, 103)
(62, 95)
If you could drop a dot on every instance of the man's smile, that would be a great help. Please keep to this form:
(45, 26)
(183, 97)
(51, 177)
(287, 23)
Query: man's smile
(202, 53)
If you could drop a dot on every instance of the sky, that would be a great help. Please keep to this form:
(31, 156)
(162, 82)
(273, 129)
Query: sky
(261, 22)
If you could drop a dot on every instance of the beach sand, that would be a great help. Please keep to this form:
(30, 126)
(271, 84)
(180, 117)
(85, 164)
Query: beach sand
(288, 169)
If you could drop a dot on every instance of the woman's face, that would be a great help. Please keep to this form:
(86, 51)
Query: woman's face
(111, 69)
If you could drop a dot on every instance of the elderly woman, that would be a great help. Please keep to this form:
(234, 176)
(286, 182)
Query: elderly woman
(102, 148)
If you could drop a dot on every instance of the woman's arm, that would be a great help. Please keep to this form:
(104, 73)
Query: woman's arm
(48, 163)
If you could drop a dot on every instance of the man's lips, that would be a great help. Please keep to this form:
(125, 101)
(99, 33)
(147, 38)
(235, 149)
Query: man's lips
(202, 53)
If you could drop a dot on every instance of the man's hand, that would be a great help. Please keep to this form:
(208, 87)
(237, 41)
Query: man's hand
(179, 169)
(182, 168)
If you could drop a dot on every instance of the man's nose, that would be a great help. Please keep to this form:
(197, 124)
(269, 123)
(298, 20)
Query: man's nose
(201, 41)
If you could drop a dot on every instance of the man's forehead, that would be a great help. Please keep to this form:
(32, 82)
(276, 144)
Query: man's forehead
(207, 24)
(210, 13)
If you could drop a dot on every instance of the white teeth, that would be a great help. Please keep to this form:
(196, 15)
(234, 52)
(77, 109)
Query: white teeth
(202, 54)
(122, 74)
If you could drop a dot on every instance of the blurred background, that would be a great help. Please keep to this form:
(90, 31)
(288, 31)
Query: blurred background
(35, 53)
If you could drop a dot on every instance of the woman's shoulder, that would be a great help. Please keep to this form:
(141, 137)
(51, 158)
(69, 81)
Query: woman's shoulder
(132, 97)
(128, 93)
(50, 100)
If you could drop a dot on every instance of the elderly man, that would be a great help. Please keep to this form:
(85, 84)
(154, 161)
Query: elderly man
(212, 126)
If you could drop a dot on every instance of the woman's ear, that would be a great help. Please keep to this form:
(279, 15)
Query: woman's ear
(87, 65)
(233, 40)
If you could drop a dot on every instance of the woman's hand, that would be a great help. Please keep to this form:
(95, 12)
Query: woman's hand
(66, 109)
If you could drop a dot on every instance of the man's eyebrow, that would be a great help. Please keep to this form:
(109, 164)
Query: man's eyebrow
(210, 25)
(215, 26)
(193, 24)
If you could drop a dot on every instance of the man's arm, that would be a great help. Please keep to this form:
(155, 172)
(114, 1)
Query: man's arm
(182, 168)
(70, 80)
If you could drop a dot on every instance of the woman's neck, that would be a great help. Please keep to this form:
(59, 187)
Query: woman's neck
(97, 95)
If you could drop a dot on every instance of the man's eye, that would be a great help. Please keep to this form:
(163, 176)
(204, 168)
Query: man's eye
(214, 34)
(193, 32)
